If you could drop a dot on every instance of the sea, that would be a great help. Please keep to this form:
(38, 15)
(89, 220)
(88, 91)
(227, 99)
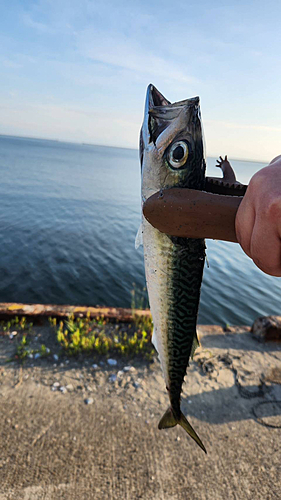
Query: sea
(68, 219)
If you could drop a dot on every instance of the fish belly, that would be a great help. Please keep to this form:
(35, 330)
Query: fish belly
(173, 268)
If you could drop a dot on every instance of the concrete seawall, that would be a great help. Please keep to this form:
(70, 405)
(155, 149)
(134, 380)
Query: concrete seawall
(123, 315)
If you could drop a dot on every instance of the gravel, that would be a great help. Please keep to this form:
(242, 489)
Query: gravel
(89, 401)
(112, 362)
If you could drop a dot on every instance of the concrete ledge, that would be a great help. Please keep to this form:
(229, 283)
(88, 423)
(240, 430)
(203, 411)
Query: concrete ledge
(62, 311)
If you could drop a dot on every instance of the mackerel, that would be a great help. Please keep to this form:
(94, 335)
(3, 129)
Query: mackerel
(172, 155)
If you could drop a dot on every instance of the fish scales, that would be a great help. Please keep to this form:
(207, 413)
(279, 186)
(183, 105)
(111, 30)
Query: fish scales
(171, 153)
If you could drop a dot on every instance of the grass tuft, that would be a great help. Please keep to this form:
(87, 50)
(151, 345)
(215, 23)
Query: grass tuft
(23, 351)
(15, 323)
(85, 335)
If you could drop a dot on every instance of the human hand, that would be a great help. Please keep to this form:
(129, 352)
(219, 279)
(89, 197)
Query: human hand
(258, 219)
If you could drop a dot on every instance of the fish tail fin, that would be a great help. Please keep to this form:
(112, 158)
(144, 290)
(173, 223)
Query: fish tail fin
(169, 420)
(189, 429)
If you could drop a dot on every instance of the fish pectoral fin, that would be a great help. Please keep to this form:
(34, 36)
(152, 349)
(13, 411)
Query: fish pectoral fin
(195, 344)
(169, 420)
(138, 240)
(154, 340)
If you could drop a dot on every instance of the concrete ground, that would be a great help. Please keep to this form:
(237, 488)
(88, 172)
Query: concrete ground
(55, 446)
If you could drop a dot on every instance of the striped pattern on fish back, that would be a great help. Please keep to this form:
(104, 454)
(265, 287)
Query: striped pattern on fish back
(187, 264)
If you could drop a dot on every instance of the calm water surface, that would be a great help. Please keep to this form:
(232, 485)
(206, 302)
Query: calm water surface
(68, 219)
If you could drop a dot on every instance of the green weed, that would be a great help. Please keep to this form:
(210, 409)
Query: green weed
(22, 350)
(15, 323)
(21, 326)
(86, 335)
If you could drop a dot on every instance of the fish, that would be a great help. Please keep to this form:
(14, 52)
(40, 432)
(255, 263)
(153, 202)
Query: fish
(172, 155)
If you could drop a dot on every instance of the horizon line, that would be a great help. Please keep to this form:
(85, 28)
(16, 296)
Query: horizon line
(109, 146)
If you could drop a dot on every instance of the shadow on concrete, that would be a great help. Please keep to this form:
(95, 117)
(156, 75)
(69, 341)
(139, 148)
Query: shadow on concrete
(227, 405)
(243, 341)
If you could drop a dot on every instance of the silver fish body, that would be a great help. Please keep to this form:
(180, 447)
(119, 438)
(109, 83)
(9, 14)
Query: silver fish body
(172, 155)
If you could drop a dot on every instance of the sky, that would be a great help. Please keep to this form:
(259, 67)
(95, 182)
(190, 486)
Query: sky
(78, 70)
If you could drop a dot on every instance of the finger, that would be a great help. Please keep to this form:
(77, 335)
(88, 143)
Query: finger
(266, 248)
(244, 224)
(226, 157)
(221, 159)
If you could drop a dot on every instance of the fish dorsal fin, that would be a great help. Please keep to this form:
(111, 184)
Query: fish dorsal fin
(138, 240)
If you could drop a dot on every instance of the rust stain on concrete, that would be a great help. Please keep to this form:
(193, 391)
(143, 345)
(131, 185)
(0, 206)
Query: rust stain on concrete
(63, 311)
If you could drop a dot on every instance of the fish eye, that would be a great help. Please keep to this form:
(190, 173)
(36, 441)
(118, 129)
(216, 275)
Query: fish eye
(178, 154)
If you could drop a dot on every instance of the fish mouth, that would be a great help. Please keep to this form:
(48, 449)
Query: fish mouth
(155, 98)
(159, 110)
(158, 106)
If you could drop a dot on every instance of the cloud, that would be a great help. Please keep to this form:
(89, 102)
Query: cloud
(11, 64)
(120, 51)
(96, 57)
(38, 26)
(52, 17)
(109, 33)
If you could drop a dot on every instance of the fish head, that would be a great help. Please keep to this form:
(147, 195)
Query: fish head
(171, 144)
